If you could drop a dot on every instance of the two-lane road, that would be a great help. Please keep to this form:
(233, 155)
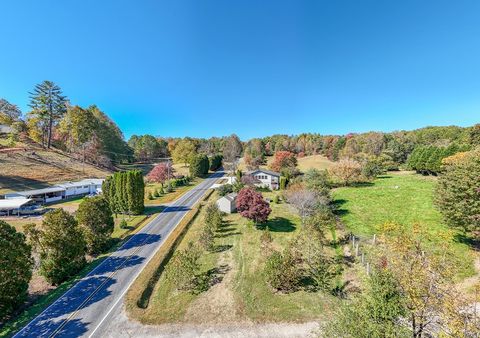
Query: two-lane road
(85, 309)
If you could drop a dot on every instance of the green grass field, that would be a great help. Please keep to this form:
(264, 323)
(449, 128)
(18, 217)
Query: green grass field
(241, 292)
(405, 198)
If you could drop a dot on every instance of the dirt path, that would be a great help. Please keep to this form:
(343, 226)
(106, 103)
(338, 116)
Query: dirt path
(217, 305)
(121, 327)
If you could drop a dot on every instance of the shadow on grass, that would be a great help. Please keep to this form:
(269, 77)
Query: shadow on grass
(472, 242)
(222, 248)
(206, 280)
(278, 224)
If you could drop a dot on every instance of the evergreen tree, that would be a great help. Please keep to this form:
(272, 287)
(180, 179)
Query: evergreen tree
(49, 105)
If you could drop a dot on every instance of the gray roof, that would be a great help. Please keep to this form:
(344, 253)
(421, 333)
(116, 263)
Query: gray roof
(13, 203)
(40, 191)
(273, 173)
(230, 197)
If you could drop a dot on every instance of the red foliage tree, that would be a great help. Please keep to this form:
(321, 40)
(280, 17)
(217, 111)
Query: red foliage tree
(283, 159)
(251, 205)
(160, 173)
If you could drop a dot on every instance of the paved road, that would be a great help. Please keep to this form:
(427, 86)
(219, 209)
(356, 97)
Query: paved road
(85, 309)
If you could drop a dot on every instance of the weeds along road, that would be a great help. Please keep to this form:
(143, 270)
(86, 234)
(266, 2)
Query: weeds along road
(85, 309)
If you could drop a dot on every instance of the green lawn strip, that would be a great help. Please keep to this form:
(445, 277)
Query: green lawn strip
(171, 196)
(401, 198)
(135, 223)
(168, 305)
(258, 300)
(253, 297)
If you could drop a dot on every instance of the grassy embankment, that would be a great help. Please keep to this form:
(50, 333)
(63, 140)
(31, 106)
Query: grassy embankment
(405, 198)
(239, 291)
(33, 167)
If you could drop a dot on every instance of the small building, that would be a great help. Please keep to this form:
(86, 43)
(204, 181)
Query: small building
(14, 206)
(265, 178)
(228, 203)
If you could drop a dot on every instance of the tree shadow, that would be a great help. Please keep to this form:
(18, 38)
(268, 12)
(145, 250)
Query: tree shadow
(278, 224)
(471, 241)
(138, 240)
(209, 278)
(176, 208)
(222, 248)
(362, 184)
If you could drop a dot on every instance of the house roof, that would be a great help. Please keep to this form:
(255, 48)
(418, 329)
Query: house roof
(13, 203)
(40, 191)
(230, 197)
(273, 173)
(89, 181)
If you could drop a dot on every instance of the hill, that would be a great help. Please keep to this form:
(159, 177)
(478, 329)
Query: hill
(29, 166)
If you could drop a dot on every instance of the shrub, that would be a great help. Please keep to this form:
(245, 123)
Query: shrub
(156, 193)
(283, 182)
(276, 199)
(281, 271)
(207, 237)
(95, 217)
(372, 168)
(16, 266)
(213, 216)
(150, 195)
(182, 268)
(161, 191)
(123, 224)
(225, 189)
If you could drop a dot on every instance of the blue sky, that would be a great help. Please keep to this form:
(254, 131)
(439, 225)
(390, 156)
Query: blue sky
(211, 68)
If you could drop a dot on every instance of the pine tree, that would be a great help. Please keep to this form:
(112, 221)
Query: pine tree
(49, 105)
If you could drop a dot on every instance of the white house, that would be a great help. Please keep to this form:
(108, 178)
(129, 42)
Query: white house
(227, 203)
(60, 191)
(265, 178)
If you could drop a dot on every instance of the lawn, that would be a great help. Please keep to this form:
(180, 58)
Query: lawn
(240, 292)
(171, 196)
(404, 198)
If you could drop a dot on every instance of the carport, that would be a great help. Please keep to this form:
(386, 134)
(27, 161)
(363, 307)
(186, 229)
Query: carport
(13, 204)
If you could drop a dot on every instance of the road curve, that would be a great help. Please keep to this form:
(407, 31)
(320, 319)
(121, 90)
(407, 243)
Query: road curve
(85, 309)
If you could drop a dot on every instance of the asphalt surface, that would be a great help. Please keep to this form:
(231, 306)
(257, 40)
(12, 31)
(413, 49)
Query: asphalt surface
(87, 307)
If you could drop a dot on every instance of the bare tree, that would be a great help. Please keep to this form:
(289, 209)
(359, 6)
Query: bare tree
(232, 151)
(306, 202)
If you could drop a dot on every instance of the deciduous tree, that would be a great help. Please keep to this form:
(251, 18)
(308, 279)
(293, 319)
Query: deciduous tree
(61, 245)
(347, 171)
(16, 265)
(251, 205)
(160, 173)
(95, 216)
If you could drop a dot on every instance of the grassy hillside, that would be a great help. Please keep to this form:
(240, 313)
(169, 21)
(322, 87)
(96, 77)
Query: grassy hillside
(31, 167)
(304, 163)
(405, 198)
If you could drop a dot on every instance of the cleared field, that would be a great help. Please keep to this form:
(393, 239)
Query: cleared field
(38, 168)
(238, 291)
(404, 198)
(304, 163)
(315, 161)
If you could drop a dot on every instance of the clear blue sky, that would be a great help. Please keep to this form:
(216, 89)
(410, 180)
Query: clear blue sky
(205, 68)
